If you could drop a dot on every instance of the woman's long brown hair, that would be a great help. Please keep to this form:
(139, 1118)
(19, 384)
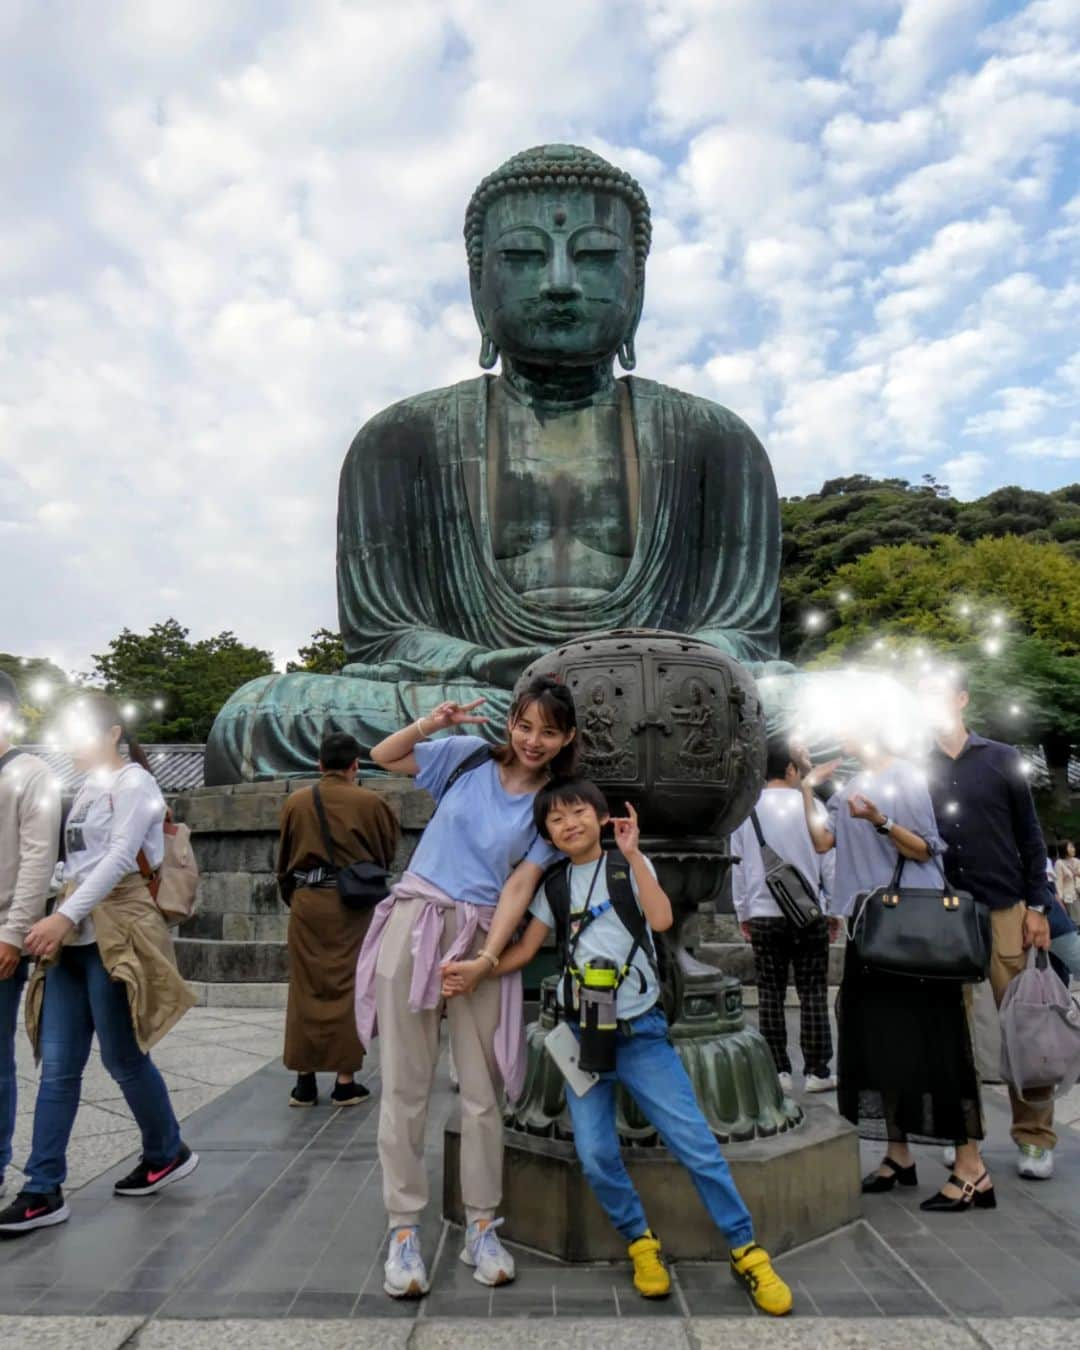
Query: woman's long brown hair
(555, 704)
(104, 713)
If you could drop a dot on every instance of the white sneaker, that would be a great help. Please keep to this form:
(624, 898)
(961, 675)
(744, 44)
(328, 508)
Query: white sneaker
(814, 1083)
(492, 1263)
(786, 1083)
(948, 1156)
(405, 1275)
(1036, 1164)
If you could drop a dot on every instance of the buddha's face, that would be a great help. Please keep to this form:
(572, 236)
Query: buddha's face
(558, 285)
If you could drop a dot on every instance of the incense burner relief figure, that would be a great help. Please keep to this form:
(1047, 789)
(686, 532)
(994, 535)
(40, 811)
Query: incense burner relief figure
(486, 523)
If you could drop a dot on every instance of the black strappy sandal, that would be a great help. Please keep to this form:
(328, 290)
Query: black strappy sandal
(903, 1176)
(969, 1195)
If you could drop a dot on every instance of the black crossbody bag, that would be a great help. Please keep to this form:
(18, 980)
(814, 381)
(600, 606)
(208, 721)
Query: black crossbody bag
(361, 885)
(795, 897)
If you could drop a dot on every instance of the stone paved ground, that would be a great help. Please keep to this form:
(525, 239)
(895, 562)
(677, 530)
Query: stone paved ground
(276, 1241)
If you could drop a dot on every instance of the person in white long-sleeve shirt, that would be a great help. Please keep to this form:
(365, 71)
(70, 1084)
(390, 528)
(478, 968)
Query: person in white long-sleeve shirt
(29, 835)
(114, 842)
(776, 943)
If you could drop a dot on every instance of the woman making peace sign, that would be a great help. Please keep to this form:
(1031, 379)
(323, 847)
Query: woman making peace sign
(480, 842)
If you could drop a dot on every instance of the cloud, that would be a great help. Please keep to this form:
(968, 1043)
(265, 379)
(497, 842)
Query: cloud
(234, 233)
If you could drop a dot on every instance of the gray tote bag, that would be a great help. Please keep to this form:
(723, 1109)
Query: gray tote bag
(1040, 1030)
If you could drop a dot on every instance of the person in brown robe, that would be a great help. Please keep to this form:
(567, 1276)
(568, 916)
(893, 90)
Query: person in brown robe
(325, 937)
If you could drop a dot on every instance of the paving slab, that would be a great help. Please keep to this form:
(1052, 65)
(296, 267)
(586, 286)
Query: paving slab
(630, 1333)
(832, 1333)
(61, 1333)
(246, 1334)
(1024, 1333)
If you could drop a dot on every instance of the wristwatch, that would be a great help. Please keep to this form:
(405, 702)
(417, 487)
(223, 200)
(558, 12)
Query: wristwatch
(1039, 909)
(885, 826)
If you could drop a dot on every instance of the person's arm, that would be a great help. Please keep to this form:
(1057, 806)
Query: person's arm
(38, 811)
(395, 753)
(387, 834)
(1059, 880)
(822, 837)
(1027, 832)
(284, 873)
(518, 955)
(907, 842)
(652, 897)
(514, 900)
(740, 879)
(135, 810)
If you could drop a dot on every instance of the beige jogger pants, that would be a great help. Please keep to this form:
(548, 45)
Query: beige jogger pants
(408, 1052)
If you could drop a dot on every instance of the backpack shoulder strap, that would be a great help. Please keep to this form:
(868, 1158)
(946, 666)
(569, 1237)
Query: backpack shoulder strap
(624, 903)
(473, 760)
(324, 825)
(6, 759)
(757, 828)
(557, 890)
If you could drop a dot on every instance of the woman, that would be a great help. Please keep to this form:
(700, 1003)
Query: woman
(906, 1068)
(105, 966)
(1067, 879)
(481, 841)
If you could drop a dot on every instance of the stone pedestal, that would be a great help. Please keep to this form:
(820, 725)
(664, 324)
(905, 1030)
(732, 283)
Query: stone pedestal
(238, 935)
(798, 1186)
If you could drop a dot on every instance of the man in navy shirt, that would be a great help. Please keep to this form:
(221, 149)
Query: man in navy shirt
(985, 814)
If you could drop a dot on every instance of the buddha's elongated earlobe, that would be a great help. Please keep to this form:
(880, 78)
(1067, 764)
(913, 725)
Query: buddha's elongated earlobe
(489, 353)
(627, 355)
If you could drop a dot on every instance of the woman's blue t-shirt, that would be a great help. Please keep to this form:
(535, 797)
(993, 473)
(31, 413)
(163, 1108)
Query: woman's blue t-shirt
(480, 832)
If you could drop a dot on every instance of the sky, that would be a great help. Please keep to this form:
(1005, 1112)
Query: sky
(229, 234)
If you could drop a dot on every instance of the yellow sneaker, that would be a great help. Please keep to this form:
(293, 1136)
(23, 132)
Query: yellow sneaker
(752, 1266)
(651, 1279)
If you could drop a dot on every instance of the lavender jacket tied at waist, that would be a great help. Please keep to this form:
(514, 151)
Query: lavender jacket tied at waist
(425, 990)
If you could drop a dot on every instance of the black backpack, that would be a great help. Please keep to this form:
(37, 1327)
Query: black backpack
(657, 951)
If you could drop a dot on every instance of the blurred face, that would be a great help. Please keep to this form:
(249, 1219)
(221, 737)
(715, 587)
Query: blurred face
(558, 284)
(942, 704)
(575, 827)
(536, 742)
(1070, 850)
(89, 747)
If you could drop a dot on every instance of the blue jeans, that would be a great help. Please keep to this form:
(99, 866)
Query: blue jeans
(10, 992)
(1064, 941)
(80, 999)
(648, 1067)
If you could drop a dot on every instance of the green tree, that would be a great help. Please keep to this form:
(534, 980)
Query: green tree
(1007, 608)
(40, 684)
(177, 686)
(852, 516)
(324, 654)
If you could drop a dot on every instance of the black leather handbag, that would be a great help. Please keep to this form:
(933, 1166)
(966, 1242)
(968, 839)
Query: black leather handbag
(924, 933)
(361, 885)
(795, 897)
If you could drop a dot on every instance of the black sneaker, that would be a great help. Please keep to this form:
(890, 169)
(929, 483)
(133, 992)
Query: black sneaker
(305, 1091)
(146, 1180)
(31, 1210)
(349, 1094)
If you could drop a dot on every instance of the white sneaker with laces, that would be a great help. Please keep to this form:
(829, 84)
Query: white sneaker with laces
(948, 1156)
(787, 1083)
(492, 1263)
(1035, 1164)
(816, 1083)
(405, 1275)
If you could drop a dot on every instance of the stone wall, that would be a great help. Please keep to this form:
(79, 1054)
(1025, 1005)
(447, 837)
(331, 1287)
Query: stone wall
(238, 935)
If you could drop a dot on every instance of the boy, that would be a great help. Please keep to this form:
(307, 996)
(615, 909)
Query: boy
(570, 815)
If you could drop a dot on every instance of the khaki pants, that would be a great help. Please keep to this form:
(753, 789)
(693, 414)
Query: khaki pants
(408, 1052)
(1033, 1121)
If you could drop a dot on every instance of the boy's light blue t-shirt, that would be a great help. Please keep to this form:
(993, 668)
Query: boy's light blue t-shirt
(480, 832)
(605, 936)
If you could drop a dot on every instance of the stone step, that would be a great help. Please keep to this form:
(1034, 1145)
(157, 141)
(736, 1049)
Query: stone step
(206, 959)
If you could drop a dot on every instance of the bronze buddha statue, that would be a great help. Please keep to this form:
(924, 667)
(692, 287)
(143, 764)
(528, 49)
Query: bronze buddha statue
(483, 524)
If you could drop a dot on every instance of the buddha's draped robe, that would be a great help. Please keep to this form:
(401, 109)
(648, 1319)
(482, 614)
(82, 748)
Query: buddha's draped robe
(421, 598)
